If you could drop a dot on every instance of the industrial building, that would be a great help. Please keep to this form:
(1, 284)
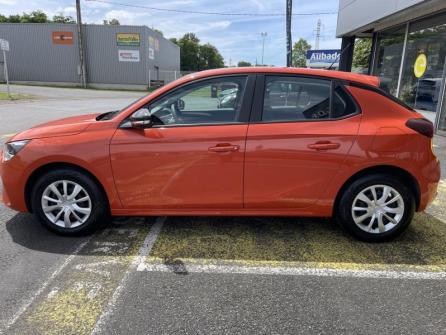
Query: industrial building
(408, 49)
(116, 56)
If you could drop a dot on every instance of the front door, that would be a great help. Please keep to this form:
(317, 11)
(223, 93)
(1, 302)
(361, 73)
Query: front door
(192, 158)
(305, 129)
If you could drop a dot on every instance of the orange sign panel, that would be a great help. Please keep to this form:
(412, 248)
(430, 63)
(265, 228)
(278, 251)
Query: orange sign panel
(62, 37)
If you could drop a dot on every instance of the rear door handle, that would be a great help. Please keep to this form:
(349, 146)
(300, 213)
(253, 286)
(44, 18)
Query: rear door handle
(224, 147)
(324, 145)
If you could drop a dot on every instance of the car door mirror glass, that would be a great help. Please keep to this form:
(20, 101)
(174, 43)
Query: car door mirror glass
(181, 104)
(141, 119)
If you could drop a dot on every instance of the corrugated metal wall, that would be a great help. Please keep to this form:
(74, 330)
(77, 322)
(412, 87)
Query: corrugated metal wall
(103, 65)
(34, 56)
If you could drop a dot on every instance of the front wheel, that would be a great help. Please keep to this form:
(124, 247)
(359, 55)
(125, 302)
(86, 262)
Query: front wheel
(376, 208)
(69, 202)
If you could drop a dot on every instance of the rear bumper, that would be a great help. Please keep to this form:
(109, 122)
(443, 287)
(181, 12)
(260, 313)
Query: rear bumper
(430, 177)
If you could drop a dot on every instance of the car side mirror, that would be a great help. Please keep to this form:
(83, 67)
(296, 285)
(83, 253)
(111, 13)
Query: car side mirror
(181, 104)
(141, 122)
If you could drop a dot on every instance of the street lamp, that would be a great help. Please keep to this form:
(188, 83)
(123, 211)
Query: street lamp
(264, 34)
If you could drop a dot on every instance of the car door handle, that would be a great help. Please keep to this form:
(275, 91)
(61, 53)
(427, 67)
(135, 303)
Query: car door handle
(324, 145)
(224, 147)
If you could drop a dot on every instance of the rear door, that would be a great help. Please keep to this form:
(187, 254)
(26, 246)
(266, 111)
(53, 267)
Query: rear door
(300, 132)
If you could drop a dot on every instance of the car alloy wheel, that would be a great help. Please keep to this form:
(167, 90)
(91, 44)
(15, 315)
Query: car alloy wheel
(66, 204)
(378, 209)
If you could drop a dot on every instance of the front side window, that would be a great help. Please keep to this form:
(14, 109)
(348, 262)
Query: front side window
(294, 99)
(212, 101)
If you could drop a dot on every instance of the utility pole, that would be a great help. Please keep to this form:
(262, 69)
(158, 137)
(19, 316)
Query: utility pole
(4, 46)
(81, 45)
(289, 51)
(318, 34)
(264, 34)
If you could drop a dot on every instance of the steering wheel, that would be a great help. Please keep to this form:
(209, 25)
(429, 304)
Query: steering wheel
(167, 114)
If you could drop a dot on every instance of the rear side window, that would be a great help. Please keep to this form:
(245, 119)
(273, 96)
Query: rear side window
(343, 104)
(291, 98)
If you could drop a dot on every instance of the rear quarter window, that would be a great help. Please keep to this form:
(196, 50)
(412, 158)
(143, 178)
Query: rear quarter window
(295, 98)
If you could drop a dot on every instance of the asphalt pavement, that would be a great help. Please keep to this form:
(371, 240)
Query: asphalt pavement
(190, 275)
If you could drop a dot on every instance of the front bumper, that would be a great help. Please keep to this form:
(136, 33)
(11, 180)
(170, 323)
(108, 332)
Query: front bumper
(13, 180)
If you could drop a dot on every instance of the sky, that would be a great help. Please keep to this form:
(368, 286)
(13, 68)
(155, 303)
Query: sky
(236, 37)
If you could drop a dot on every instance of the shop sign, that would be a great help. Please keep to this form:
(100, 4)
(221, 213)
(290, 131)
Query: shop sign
(62, 37)
(420, 65)
(151, 53)
(323, 58)
(154, 43)
(128, 39)
(128, 55)
(4, 45)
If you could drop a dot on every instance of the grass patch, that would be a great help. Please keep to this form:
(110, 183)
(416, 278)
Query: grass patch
(15, 96)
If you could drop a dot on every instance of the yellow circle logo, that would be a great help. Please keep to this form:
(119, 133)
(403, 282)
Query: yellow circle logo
(420, 65)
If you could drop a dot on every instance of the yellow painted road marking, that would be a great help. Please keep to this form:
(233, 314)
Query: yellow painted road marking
(299, 242)
(8, 135)
(75, 299)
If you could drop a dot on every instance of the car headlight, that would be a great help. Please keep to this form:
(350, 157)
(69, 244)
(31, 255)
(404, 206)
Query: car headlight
(12, 148)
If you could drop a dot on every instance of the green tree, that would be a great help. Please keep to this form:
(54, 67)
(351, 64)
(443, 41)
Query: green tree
(158, 31)
(361, 54)
(14, 18)
(300, 49)
(196, 57)
(60, 18)
(112, 22)
(189, 52)
(210, 58)
(243, 63)
(36, 16)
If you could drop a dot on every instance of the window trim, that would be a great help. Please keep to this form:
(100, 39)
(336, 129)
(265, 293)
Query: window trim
(244, 109)
(259, 96)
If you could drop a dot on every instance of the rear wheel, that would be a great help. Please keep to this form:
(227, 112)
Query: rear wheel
(376, 208)
(69, 202)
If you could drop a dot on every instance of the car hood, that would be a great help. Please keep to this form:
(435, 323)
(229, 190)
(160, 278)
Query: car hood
(63, 127)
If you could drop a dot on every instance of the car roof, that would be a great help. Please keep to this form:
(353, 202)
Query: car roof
(332, 74)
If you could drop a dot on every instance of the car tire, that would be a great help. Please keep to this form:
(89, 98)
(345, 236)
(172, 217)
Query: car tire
(69, 202)
(383, 198)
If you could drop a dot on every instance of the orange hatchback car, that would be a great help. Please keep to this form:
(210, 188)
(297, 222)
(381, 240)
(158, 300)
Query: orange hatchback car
(241, 141)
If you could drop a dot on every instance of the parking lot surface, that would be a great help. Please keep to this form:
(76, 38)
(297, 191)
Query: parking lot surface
(208, 275)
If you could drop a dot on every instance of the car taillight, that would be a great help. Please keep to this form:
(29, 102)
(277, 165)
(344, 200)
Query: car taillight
(422, 126)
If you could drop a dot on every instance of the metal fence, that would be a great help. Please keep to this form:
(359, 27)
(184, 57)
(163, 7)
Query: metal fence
(163, 77)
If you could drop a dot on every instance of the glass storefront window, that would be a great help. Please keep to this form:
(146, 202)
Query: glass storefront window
(442, 117)
(389, 49)
(421, 88)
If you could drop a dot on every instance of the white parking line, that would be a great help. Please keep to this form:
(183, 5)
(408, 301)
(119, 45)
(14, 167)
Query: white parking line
(289, 271)
(45, 284)
(144, 251)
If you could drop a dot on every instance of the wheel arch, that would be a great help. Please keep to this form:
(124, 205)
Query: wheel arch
(391, 170)
(41, 170)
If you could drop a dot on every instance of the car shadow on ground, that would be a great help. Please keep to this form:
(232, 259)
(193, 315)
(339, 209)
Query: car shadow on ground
(272, 240)
(26, 231)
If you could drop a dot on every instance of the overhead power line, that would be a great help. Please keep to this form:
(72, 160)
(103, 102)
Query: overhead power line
(207, 13)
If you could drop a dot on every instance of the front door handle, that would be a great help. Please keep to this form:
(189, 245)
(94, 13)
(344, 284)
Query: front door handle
(224, 147)
(324, 145)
